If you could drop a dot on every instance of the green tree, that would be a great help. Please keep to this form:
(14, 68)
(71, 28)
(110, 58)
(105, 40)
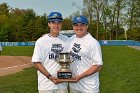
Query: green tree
(4, 9)
(67, 24)
(94, 9)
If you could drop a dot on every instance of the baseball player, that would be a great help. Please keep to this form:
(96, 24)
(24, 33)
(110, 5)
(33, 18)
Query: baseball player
(46, 51)
(86, 55)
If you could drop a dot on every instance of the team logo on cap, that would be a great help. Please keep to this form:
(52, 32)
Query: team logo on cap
(54, 16)
(78, 18)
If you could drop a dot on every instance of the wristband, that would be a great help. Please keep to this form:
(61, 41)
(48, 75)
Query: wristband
(49, 76)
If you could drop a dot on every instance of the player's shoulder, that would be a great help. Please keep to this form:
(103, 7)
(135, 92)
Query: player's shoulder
(72, 37)
(91, 39)
(42, 38)
(63, 37)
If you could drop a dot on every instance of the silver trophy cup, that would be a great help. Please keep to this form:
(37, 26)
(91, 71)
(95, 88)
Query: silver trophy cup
(64, 60)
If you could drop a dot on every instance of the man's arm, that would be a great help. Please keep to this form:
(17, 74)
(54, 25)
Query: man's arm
(43, 70)
(93, 69)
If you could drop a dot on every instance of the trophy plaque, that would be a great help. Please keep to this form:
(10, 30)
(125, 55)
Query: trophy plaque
(64, 73)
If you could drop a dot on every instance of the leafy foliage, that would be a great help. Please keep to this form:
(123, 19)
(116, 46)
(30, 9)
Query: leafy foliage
(108, 19)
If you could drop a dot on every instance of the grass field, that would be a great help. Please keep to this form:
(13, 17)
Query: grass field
(18, 50)
(120, 72)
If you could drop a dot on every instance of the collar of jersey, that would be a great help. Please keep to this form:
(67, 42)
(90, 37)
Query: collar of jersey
(52, 36)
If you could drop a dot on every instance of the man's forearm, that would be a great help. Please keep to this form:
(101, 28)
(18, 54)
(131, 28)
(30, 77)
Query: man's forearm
(93, 69)
(42, 69)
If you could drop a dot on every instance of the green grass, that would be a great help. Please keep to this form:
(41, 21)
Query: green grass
(21, 82)
(18, 50)
(120, 72)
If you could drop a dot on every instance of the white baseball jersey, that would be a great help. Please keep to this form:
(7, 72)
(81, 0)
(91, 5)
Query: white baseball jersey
(85, 52)
(46, 51)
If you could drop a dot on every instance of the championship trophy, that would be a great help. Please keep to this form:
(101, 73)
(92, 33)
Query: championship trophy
(64, 73)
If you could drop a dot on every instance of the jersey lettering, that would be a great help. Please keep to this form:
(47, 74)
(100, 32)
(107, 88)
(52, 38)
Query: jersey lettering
(55, 50)
(74, 53)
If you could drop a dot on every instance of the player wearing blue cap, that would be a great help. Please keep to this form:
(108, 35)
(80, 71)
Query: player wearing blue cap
(46, 51)
(86, 55)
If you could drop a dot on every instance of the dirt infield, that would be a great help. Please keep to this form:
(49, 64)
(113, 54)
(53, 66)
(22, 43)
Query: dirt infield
(13, 64)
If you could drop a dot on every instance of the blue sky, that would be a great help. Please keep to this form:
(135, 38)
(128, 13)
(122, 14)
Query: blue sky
(66, 7)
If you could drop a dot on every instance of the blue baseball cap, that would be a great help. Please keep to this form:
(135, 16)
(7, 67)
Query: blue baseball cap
(80, 19)
(55, 16)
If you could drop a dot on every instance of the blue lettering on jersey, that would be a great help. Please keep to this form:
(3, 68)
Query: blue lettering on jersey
(74, 53)
(76, 48)
(55, 50)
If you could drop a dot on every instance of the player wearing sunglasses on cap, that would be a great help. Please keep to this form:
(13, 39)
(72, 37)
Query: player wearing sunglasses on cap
(46, 51)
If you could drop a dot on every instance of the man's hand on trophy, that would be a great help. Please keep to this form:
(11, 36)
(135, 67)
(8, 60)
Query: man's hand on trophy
(55, 80)
(75, 79)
